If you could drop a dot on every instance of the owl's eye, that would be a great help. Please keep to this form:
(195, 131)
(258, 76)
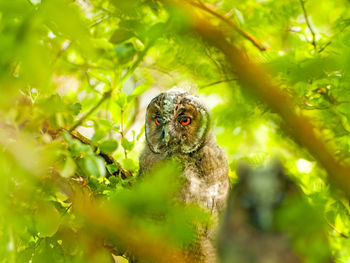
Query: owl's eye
(158, 120)
(185, 121)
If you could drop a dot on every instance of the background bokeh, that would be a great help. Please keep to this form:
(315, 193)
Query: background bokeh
(75, 79)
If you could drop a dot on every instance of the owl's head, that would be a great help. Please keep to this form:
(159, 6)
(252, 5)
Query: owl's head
(176, 122)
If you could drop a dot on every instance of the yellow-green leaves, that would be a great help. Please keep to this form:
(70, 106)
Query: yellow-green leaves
(108, 146)
(92, 165)
(69, 167)
(63, 60)
(85, 158)
(127, 145)
(47, 220)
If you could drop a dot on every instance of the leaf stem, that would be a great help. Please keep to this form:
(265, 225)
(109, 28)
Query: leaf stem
(122, 129)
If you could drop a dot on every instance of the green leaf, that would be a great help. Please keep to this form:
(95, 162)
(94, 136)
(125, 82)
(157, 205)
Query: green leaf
(125, 52)
(47, 220)
(107, 125)
(76, 108)
(129, 164)
(120, 35)
(112, 168)
(98, 135)
(137, 92)
(127, 145)
(69, 167)
(76, 147)
(108, 146)
(94, 165)
(141, 133)
(121, 100)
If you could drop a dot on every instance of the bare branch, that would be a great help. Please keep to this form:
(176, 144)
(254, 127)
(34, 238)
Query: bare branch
(216, 82)
(324, 46)
(313, 42)
(337, 230)
(231, 23)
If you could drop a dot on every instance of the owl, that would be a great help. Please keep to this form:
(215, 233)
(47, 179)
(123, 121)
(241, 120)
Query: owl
(268, 218)
(178, 126)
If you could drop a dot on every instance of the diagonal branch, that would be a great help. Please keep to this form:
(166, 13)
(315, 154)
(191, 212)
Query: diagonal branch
(115, 223)
(231, 23)
(105, 96)
(217, 82)
(337, 230)
(124, 173)
(255, 80)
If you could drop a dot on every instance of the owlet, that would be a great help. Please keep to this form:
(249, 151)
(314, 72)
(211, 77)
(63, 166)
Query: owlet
(178, 126)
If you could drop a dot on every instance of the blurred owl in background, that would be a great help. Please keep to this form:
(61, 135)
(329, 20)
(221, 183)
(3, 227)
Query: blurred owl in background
(178, 126)
(267, 218)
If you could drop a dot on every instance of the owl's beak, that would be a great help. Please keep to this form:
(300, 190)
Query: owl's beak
(166, 135)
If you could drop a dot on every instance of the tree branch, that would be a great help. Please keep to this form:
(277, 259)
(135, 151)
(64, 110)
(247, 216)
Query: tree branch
(313, 42)
(255, 80)
(216, 82)
(116, 222)
(337, 230)
(108, 158)
(241, 31)
(105, 96)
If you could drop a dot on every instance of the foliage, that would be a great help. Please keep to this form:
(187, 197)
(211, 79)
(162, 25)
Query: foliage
(88, 64)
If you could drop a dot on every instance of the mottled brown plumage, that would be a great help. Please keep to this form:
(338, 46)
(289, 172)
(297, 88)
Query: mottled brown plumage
(204, 164)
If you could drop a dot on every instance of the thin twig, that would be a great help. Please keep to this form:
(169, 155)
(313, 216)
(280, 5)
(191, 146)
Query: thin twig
(216, 82)
(216, 63)
(105, 96)
(241, 31)
(122, 129)
(337, 230)
(313, 42)
(65, 46)
(157, 68)
(325, 46)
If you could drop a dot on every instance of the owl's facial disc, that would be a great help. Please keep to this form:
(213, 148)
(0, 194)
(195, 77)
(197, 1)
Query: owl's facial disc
(176, 123)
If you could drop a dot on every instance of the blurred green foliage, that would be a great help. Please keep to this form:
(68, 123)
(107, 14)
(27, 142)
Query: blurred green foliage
(63, 61)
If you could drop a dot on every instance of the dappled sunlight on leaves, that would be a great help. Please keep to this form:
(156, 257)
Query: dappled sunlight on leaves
(75, 80)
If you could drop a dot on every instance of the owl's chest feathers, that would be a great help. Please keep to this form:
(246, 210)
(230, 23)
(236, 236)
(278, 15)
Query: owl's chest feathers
(206, 178)
(205, 174)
